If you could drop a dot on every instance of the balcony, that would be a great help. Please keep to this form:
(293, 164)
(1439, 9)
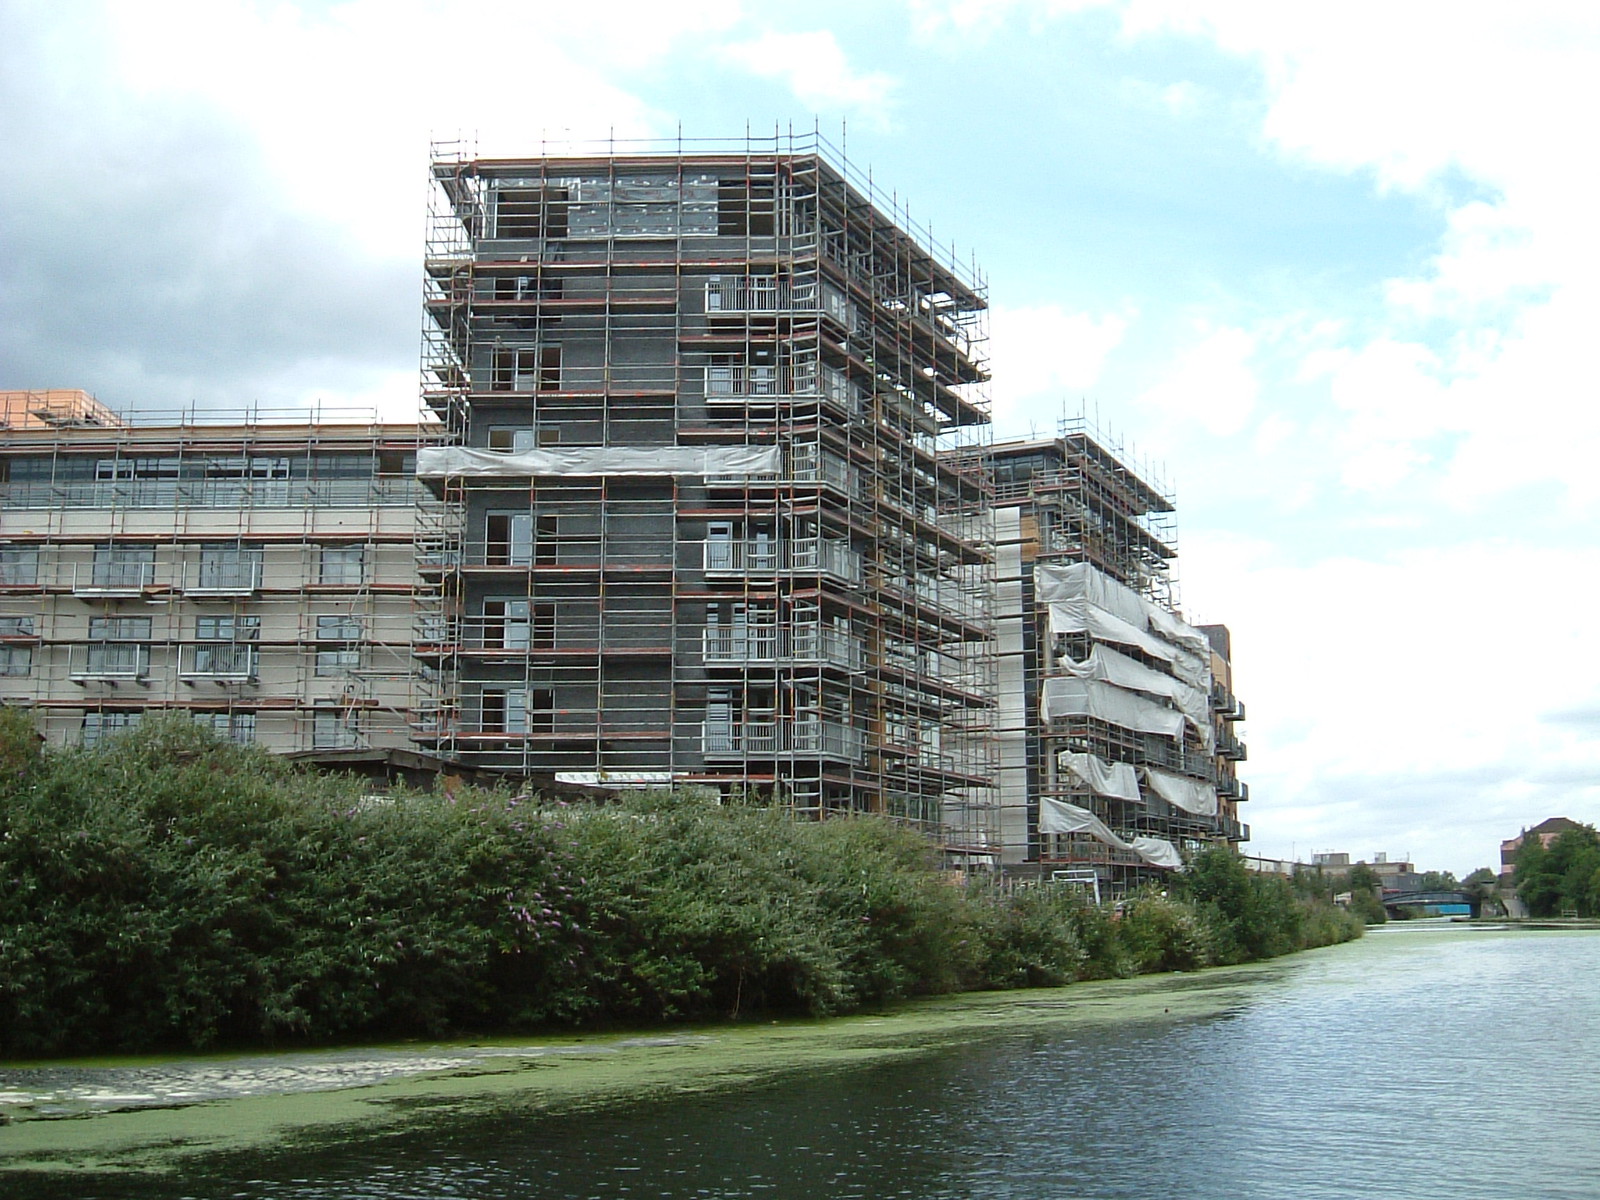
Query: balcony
(739, 644)
(1225, 704)
(221, 662)
(241, 577)
(722, 739)
(765, 556)
(824, 643)
(110, 580)
(1230, 747)
(738, 382)
(109, 662)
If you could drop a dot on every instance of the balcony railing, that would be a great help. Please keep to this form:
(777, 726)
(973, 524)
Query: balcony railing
(739, 644)
(759, 293)
(220, 660)
(827, 644)
(762, 556)
(235, 577)
(109, 661)
(742, 380)
(112, 578)
(761, 739)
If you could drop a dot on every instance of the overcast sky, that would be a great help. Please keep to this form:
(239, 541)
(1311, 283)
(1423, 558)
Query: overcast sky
(1332, 268)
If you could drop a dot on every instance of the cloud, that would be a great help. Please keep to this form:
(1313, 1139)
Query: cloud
(150, 258)
(1211, 384)
(1386, 700)
(814, 67)
(1044, 357)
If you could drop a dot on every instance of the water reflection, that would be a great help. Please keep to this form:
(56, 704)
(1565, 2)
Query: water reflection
(1417, 1063)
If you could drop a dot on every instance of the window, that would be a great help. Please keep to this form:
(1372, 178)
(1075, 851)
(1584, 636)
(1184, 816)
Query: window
(509, 541)
(746, 207)
(16, 627)
(238, 727)
(336, 660)
(230, 568)
(509, 437)
(16, 660)
(531, 213)
(98, 726)
(339, 628)
(507, 623)
(124, 567)
(251, 467)
(513, 710)
(344, 566)
(227, 628)
(117, 470)
(335, 728)
(527, 370)
(19, 566)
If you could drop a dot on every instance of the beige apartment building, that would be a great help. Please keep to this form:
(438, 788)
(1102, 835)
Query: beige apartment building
(258, 573)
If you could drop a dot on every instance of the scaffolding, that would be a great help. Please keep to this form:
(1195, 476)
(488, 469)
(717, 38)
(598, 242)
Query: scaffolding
(808, 623)
(1116, 726)
(253, 568)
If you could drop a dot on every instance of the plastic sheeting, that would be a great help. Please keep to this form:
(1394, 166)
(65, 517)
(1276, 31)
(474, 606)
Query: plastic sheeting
(1180, 791)
(1074, 581)
(1106, 664)
(1157, 852)
(1070, 697)
(1079, 616)
(464, 462)
(1124, 617)
(1057, 816)
(1118, 781)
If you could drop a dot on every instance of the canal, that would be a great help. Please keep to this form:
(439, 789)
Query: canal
(1425, 1060)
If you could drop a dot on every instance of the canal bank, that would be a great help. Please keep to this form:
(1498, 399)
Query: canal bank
(151, 1114)
(1424, 1059)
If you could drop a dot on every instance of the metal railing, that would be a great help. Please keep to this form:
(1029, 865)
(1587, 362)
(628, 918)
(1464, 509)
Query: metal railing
(112, 577)
(227, 577)
(800, 735)
(220, 660)
(109, 660)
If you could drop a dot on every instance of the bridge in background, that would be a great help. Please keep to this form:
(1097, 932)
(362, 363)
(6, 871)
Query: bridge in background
(1438, 903)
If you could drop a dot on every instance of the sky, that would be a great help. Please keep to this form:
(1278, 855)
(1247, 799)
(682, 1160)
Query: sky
(1331, 272)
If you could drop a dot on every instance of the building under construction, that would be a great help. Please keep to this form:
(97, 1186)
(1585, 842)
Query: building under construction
(256, 571)
(701, 494)
(1116, 725)
(697, 524)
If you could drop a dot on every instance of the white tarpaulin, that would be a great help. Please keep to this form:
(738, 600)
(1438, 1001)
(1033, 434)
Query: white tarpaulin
(1180, 791)
(1079, 616)
(1075, 591)
(1119, 781)
(1074, 581)
(1070, 697)
(1106, 664)
(1158, 852)
(1178, 631)
(464, 462)
(1057, 816)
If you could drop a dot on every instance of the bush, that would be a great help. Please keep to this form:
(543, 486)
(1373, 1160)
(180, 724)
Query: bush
(171, 890)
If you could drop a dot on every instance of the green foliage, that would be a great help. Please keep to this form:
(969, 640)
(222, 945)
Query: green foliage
(1563, 877)
(1163, 934)
(168, 889)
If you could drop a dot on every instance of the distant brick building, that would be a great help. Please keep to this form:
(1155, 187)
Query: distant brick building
(1547, 831)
